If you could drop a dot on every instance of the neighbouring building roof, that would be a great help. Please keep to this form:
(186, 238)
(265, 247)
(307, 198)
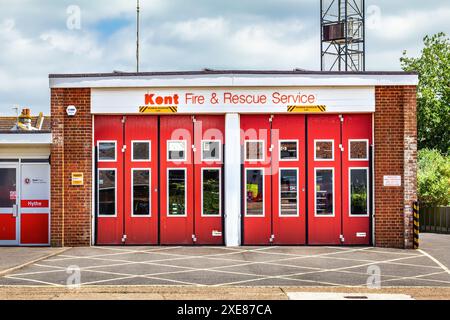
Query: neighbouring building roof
(7, 123)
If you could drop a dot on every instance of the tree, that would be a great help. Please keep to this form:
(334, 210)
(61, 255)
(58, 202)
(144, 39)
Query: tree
(433, 67)
(434, 178)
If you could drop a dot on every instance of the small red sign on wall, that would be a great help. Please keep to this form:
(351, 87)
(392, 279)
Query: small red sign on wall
(34, 203)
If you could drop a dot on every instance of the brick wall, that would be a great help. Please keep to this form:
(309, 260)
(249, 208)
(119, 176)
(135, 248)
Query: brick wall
(395, 154)
(71, 152)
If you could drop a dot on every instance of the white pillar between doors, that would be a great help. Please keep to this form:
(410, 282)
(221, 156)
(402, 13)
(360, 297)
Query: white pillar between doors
(232, 180)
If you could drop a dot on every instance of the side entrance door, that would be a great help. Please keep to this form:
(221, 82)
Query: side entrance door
(9, 213)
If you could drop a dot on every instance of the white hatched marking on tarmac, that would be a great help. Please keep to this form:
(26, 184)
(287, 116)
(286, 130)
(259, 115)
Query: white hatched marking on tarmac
(436, 261)
(234, 263)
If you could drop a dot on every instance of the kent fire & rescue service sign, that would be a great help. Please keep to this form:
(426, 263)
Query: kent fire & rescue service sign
(224, 100)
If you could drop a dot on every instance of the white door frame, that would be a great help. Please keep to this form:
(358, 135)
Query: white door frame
(4, 211)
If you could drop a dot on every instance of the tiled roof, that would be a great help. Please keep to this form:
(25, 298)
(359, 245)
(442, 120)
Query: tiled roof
(6, 123)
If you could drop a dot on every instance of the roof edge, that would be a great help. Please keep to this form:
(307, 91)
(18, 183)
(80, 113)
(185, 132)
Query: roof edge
(228, 72)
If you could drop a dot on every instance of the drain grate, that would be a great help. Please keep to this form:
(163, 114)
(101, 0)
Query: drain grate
(345, 296)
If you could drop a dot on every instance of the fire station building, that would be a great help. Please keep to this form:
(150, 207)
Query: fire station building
(232, 158)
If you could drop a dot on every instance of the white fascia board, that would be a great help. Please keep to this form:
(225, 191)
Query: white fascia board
(26, 139)
(328, 81)
(143, 82)
(178, 81)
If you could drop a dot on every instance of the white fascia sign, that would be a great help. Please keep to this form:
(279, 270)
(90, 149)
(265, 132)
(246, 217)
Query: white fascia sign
(233, 100)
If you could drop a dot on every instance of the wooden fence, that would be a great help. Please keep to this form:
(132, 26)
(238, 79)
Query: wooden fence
(434, 219)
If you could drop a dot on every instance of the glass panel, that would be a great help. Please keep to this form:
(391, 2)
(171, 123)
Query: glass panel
(289, 192)
(211, 192)
(288, 150)
(324, 150)
(8, 192)
(141, 151)
(254, 192)
(211, 150)
(107, 151)
(358, 150)
(324, 192)
(141, 192)
(254, 150)
(358, 191)
(177, 192)
(107, 192)
(176, 150)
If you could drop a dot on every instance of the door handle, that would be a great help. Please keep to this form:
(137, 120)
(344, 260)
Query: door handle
(15, 211)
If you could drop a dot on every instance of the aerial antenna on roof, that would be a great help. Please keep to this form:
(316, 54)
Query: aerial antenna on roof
(137, 34)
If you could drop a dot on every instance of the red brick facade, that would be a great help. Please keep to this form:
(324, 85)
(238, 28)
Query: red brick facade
(71, 152)
(395, 154)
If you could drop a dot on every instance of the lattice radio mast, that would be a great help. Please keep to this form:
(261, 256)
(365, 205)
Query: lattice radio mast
(342, 35)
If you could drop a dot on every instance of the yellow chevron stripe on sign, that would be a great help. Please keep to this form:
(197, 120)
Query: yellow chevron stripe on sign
(160, 109)
(319, 108)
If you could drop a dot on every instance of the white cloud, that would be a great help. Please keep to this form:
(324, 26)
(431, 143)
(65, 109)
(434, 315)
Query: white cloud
(83, 44)
(197, 29)
(409, 24)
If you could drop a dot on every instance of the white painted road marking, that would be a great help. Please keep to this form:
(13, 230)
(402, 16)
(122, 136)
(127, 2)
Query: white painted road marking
(435, 260)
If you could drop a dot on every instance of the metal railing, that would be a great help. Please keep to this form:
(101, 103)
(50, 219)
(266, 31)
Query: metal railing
(434, 219)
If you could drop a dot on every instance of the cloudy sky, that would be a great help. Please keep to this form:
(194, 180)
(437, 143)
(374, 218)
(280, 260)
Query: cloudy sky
(42, 37)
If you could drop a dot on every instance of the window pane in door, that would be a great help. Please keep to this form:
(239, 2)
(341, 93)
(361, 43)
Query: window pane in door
(254, 150)
(358, 191)
(107, 192)
(288, 192)
(211, 192)
(8, 192)
(324, 150)
(288, 150)
(176, 150)
(324, 192)
(106, 151)
(358, 150)
(255, 192)
(141, 192)
(177, 192)
(141, 151)
(211, 150)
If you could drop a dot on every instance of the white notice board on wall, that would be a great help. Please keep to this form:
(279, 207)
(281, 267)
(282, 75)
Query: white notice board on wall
(392, 181)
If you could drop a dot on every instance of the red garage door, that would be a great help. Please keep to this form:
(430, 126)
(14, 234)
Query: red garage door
(110, 180)
(324, 179)
(288, 179)
(208, 179)
(339, 179)
(177, 180)
(159, 179)
(141, 180)
(274, 179)
(356, 140)
(283, 171)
